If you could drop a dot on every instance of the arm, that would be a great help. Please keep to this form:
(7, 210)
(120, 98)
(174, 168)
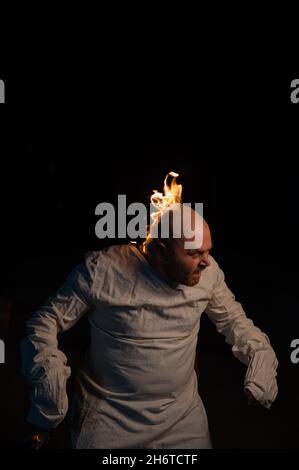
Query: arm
(43, 363)
(249, 344)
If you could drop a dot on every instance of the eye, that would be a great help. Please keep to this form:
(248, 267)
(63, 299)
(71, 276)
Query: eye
(194, 253)
(197, 253)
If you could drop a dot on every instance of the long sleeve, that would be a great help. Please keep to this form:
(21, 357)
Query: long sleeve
(249, 344)
(44, 365)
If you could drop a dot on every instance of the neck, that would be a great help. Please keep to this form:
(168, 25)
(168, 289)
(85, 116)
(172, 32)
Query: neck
(155, 262)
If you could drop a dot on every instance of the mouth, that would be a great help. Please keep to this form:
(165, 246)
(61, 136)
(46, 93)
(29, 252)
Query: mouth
(197, 273)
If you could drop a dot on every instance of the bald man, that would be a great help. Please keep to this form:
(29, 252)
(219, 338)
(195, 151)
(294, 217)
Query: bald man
(138, 387)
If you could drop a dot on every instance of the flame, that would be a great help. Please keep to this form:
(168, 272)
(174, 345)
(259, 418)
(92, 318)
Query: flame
(172, 193)
(161, 201)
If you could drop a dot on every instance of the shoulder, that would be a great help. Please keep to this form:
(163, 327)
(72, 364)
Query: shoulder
(114, 270)
(214, 268)
(115, 254)
(213, 272)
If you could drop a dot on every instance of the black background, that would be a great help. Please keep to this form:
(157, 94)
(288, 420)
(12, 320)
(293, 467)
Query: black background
(237, 154)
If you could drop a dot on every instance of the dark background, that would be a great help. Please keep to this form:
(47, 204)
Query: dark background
(238, 159)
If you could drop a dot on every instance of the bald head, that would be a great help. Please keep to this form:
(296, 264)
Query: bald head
(182, 222)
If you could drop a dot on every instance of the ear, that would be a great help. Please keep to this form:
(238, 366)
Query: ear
(161, 248)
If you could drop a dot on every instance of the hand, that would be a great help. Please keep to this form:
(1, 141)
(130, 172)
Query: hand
(253, 402)
(38, 438)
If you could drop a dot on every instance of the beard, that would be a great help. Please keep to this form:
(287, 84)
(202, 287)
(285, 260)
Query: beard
(180, 276)
(193, 279)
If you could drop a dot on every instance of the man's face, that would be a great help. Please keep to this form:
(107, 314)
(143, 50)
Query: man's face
(184, 266)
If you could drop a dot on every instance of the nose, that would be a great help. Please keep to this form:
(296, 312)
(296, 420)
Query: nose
(205, 260)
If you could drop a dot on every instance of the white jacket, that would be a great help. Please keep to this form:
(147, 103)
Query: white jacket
(138, 387)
